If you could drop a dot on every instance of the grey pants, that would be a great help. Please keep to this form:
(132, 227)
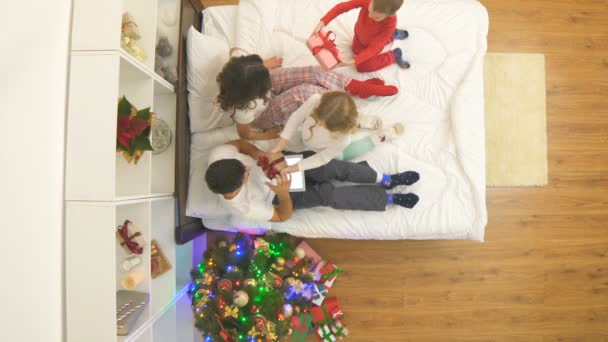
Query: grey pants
(320, 192)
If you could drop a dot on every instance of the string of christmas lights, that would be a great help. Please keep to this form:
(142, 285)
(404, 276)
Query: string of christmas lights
(248, 289)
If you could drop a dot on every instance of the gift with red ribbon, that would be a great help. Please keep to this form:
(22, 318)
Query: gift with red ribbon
(323, 47)
(131, 238)
(329, 273)
(272, 164)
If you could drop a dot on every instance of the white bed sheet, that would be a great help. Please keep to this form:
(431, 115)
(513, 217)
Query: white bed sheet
(440, 103)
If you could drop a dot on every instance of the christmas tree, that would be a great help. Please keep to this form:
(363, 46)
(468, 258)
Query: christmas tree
(247, 290)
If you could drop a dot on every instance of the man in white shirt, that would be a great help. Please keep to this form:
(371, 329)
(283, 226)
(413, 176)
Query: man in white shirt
(245, 190)
(243, 186)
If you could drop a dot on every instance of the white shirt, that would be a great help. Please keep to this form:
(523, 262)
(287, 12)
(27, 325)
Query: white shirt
(297, 131)
(247, 116)
(254, 200)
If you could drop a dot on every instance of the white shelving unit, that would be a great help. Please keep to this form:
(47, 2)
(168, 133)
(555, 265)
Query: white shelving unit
(102, 188)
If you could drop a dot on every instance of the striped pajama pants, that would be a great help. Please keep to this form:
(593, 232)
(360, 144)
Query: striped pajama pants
(291, 87)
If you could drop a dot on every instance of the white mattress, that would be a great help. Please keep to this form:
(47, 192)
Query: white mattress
(440, 103)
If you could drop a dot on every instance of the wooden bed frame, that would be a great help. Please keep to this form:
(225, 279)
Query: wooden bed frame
(187, 228)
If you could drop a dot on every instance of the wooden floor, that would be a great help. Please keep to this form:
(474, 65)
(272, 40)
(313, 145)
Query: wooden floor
(542, 274)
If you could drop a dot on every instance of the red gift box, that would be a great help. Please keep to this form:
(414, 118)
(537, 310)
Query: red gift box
(272, 164)
(329, 273)
(328, 313)
(324, 49)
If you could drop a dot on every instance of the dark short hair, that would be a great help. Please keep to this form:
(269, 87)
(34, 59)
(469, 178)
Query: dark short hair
(388, 7)
(242, 81)
(225, 176)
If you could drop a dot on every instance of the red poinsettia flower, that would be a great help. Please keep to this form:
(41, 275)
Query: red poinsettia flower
(124, 131)
(139, 125)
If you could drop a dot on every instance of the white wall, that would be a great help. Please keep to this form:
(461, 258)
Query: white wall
(34, 44)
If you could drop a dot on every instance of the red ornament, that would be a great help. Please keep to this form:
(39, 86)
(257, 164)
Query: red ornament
(260, 322)
(221, 303)
(224, 285)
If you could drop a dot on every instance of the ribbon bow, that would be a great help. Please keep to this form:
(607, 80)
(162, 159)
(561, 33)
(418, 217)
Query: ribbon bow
(231, 312)
(302, 326)
(253, 332)
(339, 330)
(133, 246)
(269, 331)
(328, 44)
(270, 167)
(326, 334)
(334, 273)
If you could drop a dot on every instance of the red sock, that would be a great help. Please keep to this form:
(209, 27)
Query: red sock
(377, 81)
(367, 89)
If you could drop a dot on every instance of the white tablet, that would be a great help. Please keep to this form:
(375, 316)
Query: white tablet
(298, 184)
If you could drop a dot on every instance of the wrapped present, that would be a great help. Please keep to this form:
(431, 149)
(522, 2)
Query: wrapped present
(272, 164)
(131, 239)
(159, 264)
(323, 47)
(310, 253)
(301, 326)
(327, 313)
(319, 292)
(326, 334)
(339, 330)
(329, 272)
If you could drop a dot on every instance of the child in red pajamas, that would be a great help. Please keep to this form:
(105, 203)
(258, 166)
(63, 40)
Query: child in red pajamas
(376, 27)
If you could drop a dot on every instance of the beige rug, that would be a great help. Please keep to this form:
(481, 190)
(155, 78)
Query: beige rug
(516, 128)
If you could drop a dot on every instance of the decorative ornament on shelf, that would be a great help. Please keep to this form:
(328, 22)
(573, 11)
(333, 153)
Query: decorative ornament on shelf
(163, 65)
(131, 280)
(133, 130)
(130, 238)
(130, 263)
(129, 36)
(159, 264)
(161, 136)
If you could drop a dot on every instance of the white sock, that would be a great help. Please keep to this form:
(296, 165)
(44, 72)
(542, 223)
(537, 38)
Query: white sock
(379, 177)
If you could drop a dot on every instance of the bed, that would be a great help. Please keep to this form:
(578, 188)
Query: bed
(440, 103)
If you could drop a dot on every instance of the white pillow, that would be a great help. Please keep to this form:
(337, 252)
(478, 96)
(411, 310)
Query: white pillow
(206, 57)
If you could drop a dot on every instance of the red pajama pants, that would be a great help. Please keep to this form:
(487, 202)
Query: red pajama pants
(380, 61)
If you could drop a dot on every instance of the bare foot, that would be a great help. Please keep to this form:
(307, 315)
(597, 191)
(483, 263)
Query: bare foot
(273, 63)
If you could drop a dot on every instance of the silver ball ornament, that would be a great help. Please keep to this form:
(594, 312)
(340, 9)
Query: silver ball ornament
(240, 298)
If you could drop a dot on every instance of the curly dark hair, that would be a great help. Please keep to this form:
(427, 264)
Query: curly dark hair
(225, 176)
(242, 81)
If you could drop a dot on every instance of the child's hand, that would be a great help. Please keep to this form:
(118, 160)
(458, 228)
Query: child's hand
(291, 169)
(272, 133)
(281, 185)
(319, 27)
(273, 62)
